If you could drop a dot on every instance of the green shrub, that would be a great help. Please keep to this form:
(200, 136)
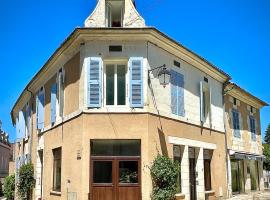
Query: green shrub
(26, 181)
(164, 172)
(9, 187)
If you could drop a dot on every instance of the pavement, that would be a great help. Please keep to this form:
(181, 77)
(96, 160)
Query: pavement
(252, 196)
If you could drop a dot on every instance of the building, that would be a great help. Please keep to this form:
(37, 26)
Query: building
(4, 154)
(244, 141)
(111, 98)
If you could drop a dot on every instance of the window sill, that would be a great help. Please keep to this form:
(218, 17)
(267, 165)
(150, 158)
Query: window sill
(179, 196)
(55, 193)
(210, 192)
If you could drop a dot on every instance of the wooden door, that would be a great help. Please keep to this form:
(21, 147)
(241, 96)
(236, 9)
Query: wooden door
(192, 179)
(115, 178)
(102, 179)
(128, 179)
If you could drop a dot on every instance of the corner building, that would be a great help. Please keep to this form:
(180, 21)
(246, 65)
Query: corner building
(97, 114)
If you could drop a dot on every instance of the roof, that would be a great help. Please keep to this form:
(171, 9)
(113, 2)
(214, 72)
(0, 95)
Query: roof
(77, 31)
(248, 94)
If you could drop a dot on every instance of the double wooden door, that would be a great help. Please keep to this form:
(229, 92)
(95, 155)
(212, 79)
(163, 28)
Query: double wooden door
(115, 178)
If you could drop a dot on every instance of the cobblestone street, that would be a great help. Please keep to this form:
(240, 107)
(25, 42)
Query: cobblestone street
(253, 196)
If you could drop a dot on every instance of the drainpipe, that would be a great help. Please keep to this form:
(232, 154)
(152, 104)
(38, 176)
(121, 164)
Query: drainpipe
(226, 141)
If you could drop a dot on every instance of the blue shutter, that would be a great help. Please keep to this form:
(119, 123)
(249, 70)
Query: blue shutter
(177, 93)
(17, 128)
(41, 103)
(136, 82)
(53, 102)
(28, 119)
(173, 92)
(236, 123)
(181, 109)
(252, 127)
(94, 82)
(21, 124)
(202, 103)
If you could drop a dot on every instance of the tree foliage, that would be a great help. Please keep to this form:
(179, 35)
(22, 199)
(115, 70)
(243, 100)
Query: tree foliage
(164, 173)
(267, 135)
(266, 153)
(26, 181)
(9, 187)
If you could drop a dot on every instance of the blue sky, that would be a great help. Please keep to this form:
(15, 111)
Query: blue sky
(232, 34)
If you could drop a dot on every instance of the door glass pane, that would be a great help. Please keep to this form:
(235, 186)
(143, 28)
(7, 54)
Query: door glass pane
(207, 175)
(253, 174)
(110, 85)
(102, 172)
(121, 85)
(115, 147)
(235, 176)
(128, 172)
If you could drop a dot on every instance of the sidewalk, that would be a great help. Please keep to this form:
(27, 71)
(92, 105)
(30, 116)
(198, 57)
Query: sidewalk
(252, 196)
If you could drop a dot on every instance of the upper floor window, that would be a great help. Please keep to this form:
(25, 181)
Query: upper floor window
(115, 84)
(252, 127)
(114, 13)
(57, 97)
(236, 123)
(205, 100)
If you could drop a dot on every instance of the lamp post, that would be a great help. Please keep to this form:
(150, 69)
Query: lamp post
(164, 75)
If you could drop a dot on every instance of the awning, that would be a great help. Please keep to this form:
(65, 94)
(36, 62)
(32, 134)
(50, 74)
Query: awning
(246, 156)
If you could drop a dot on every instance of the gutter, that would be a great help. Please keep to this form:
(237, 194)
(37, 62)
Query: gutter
(226, 141)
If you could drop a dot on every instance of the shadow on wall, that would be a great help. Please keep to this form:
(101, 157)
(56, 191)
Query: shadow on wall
(162, 140)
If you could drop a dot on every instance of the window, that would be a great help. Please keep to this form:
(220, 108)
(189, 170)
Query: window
(176, 63)
(102, 172)
(115, 84)
(177, 93)
(115, 148)
(234, 101)
(114, 48)
(114, 13)
(128, 172)
(236, 123)
(57, 169)
(252, 127)
(205, 101)
(207, 174)
(177, 158)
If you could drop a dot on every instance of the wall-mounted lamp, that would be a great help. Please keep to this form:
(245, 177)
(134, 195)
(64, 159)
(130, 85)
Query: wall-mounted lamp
(164, 75)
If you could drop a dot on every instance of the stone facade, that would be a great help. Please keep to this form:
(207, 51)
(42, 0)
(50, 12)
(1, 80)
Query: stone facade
(5, 155)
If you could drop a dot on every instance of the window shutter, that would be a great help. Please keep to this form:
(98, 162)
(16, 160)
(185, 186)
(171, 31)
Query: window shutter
(17, 128)
(41, 101)
(136, 82)
(94, 76)
(201, 103)
(177, 93)
(22, 124)
(181, 110)
(53, 102)
(236, 123)
(173, 92)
